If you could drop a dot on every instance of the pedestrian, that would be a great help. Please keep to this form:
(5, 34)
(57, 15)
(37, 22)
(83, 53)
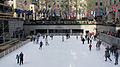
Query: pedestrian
(31, 38)
(41, 44)
(17, 58)
(46, 42)
(88, 40)
(112, 50)
(83, 40)
(90, 46)
(107, 55)
(76, 37)
(21, 58)
(81, 36)
(62, 38)
(116, 57)
(37, 40)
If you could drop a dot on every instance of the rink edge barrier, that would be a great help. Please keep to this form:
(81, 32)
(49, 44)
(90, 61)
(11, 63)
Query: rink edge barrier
(11, 49)
(104, 43)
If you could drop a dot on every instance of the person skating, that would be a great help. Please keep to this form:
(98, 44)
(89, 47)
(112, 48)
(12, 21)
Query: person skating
(88, 40)
(62, 38)
(90, 46)
(41, 44)
(76, 37)
(31, 37)
(116, 57)
(37, 40)
(17, 58)
(81, 36)
(21, 58)
(46, 41)
(107, 55)
(83, 40)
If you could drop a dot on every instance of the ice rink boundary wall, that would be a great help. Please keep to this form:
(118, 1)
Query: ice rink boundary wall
(6, 52)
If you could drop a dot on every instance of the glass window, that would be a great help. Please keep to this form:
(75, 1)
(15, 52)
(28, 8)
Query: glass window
(100, 3)
(96, 3)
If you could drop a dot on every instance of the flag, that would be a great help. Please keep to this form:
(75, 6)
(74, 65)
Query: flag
(39, 12)
(13, 10)
(79, 11)
(25, 2)
(54, 13)
(53, 5)
(113, 8)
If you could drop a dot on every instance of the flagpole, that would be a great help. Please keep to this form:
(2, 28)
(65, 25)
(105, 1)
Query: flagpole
(76, 10)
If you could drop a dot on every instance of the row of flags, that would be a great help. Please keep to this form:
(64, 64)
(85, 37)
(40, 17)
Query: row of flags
(68, 13)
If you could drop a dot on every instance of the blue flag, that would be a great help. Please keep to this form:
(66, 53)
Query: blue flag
(79, 11)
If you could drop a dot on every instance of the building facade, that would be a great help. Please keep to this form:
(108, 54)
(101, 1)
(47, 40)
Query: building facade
(64, 7)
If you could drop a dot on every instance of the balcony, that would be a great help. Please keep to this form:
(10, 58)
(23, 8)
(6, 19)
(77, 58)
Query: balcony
(5, 11)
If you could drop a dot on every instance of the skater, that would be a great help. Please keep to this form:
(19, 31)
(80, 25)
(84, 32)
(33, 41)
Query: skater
(21, 58)
(88, 40)
(98, 45)
(31, 38)
(62, 38)
(81, 36)
(83, 40)
(90, 46)
(41, 44)
(107, 55)
(116, 57)
(46, 42)
(34, 37)
(112, 50)
(51, 36)
(37, 40)
(17, 58)
(76, 37)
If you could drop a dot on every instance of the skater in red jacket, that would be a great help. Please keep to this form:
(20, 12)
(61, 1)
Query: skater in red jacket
(90, 46)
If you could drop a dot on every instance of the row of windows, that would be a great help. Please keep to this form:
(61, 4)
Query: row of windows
(96, 3)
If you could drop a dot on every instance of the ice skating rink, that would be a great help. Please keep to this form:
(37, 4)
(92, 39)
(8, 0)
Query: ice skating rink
(70, 53)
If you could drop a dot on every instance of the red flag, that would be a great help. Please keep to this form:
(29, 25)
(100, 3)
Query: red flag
(25, 2)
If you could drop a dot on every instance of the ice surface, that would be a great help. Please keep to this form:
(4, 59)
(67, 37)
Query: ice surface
(70, 53)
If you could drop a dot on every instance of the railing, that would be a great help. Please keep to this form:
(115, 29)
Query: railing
(2, 54)
(59, 34)
(9, 42)
(109, 39)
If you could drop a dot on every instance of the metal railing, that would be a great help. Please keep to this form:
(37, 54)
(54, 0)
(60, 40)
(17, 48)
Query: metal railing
(4, 53)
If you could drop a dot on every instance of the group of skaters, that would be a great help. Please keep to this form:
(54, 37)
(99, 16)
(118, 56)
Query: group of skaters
(89, 37)
(35, 38)
(113, 50)
(19, 58)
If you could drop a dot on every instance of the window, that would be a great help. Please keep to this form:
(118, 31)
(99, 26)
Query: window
(100, 3)
(61, 5)
(96, 3)
(110, 2)
(114, 2)
(58, 5)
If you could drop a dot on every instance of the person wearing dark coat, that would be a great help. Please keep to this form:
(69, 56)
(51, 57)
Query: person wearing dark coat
(41, 44)
(107, 55)
(83, 40)
(88, 40)
(21, 58)
(116, 57)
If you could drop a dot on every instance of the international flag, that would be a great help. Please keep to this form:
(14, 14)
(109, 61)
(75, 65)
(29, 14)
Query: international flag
(25, 2)
(79, 11)
(113, 8)
(53, 5)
